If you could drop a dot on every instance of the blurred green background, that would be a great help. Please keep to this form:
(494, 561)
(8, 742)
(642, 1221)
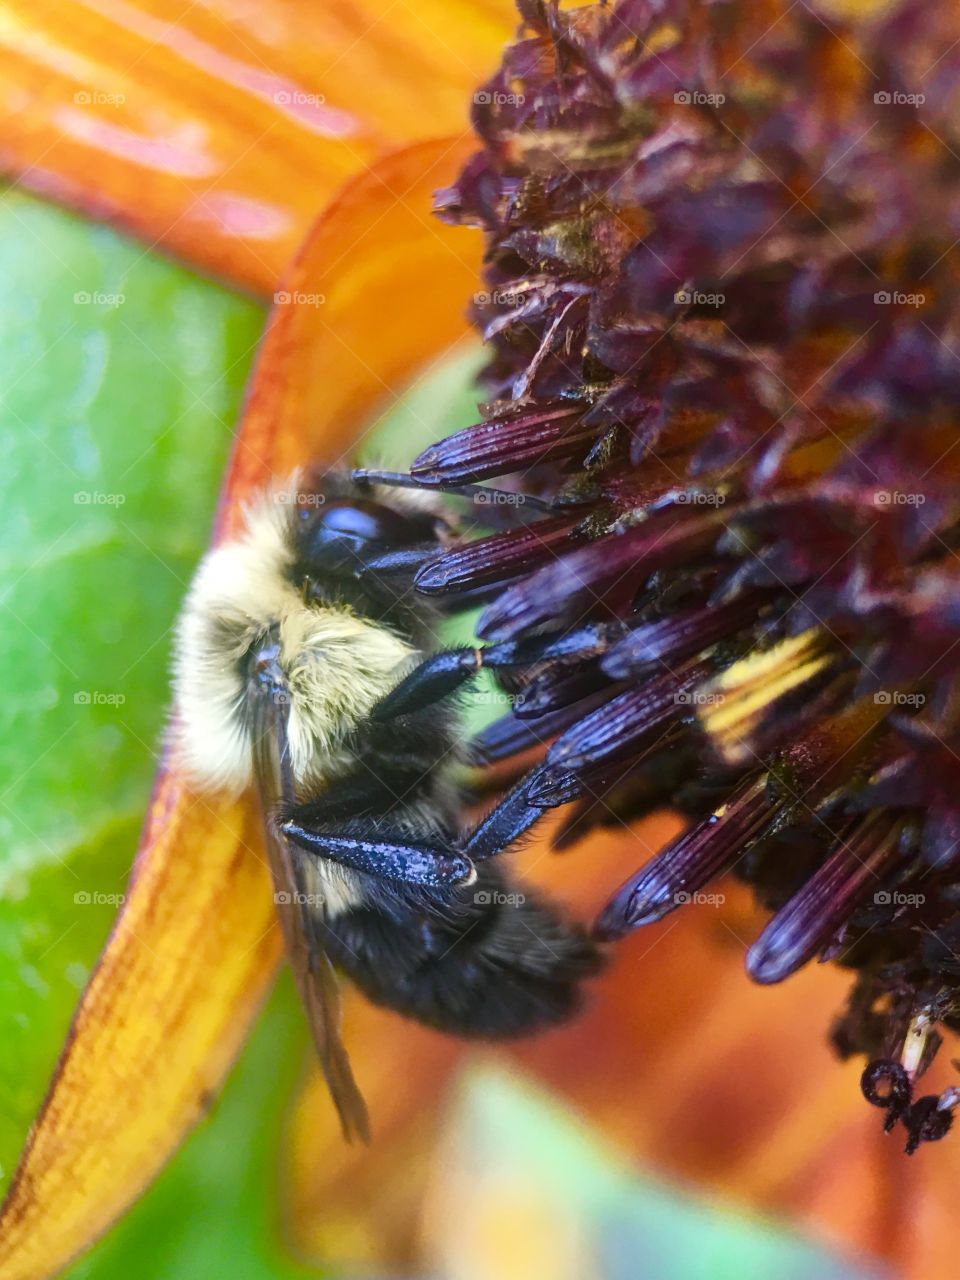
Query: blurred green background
(121, 379)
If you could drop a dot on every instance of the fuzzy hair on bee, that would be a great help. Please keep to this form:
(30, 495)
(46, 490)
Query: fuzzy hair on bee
(292, 637)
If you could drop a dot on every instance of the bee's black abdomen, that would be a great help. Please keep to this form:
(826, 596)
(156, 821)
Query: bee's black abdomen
(496, 962)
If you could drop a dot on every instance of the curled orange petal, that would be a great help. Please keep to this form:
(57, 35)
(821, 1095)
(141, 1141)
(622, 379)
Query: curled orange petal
(195, 946)
(221, 134)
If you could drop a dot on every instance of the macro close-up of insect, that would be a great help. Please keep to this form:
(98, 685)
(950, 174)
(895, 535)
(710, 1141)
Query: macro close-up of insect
(480, 576)
(292, 637)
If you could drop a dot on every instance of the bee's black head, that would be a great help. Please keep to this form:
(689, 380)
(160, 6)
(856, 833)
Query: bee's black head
(360, 544)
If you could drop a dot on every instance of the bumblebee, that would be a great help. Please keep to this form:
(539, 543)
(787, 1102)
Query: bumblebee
(296, 641)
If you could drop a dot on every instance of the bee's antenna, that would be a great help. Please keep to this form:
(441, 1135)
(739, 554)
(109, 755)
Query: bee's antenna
(477, 492)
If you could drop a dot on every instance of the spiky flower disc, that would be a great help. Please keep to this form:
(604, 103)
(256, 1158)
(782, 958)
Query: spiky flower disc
(721, 303)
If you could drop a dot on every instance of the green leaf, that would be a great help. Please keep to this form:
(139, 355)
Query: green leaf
(120, 380)
(515, 1156)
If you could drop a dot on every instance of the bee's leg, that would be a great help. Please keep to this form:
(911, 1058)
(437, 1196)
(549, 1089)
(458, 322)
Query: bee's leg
(363, 845)
(509, 819)
(443, 673)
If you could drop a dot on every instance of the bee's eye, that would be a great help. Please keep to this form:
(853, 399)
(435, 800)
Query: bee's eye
(365, 521)
(337, 535)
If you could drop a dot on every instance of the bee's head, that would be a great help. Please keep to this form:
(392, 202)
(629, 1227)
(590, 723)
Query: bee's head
(343, 530)
(342, 534)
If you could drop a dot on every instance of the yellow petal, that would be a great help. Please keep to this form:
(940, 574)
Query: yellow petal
(195, 945)
(184, 971)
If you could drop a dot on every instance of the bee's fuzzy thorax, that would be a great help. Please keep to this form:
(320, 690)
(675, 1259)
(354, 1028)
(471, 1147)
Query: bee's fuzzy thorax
(336, 663)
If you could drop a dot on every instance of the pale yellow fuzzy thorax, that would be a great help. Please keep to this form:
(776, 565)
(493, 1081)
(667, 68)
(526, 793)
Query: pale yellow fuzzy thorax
(336, 664)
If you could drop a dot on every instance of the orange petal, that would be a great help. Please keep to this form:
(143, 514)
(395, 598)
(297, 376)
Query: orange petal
(167, 1008)
(378, 288)
(195, 946)
(222, 134)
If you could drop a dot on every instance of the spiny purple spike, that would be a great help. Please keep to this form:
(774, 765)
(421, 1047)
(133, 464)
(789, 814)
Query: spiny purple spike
(680, 635)
(505, 444)
(806, 923)
(612, 729)
(687, 863)
(556, 688)
(508, 736)
(501, 556)
(579, 580)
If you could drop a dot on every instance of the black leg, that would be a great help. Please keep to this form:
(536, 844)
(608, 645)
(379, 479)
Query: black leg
(364, 846)
(439, 675)
(443, 673)
(506, 821)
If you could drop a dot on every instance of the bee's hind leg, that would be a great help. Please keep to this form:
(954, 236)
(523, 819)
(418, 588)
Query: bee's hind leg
(363, 844)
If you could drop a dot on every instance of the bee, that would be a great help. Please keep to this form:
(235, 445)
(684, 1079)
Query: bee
(292, 636)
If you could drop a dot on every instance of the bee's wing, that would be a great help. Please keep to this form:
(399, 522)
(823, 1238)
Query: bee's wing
(311, 966)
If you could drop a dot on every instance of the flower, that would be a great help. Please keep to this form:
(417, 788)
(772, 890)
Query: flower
(722, 314)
